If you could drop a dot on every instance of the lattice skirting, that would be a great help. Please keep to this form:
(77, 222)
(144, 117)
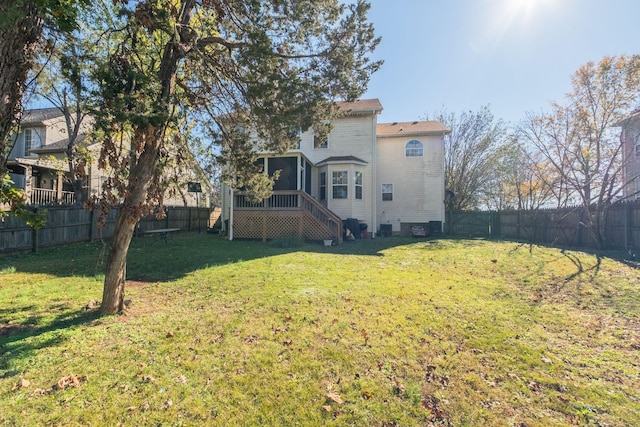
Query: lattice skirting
(268, 225)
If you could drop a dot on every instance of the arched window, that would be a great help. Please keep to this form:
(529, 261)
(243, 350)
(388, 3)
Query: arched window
(414, 148)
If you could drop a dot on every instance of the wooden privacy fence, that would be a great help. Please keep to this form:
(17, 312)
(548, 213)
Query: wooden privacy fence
(561, 227)
(69, 224)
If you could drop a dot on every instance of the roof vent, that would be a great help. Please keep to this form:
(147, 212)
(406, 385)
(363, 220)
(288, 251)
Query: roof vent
(394, 123)
(414, 123)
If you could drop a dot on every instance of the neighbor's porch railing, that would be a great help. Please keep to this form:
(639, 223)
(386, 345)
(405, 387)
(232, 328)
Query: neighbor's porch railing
(43, 196)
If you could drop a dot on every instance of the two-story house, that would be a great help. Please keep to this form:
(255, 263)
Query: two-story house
(38, 164)
(366, 177)
(630, 138)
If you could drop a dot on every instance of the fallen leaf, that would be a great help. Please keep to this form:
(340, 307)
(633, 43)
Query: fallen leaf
(535, 387)
(71, 380)
(546, 360)
(335, 397)
(145, 406)
(170, 334)
(168, 404)
(91, 305)
(40, 391)
(327, 408)
(366, 395)
(181, 379)
(22, 383)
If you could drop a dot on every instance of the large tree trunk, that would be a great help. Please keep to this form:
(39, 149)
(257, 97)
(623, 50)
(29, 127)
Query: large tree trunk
(116, 273)
(20, 31)
(142, 173)
(129, 214)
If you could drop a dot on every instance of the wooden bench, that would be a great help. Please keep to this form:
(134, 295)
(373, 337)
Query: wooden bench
(162, 232)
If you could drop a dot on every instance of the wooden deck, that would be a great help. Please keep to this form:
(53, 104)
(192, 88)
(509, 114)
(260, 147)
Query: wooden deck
(285, 213)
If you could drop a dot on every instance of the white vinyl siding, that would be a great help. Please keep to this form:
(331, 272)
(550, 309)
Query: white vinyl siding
(417, 194)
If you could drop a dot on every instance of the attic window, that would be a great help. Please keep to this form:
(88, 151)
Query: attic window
(413, 148)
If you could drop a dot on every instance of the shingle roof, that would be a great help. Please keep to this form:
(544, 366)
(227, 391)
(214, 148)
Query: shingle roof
(58, 146)
(342, 159)
(39, 115)
(361, 106)
(411, 128)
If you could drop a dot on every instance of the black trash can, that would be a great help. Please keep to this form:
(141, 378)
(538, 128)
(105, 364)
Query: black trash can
(435, 228)
(353, 226)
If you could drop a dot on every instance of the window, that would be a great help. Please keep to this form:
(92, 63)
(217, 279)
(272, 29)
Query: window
(387, 192)
(323, 186)
(319, 142)
(298, 139)
(358, 182)
(414, 148)
(340, 184)
(29, 141)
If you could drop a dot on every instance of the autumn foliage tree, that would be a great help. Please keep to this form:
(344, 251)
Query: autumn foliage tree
(580, 142)
(272, 66)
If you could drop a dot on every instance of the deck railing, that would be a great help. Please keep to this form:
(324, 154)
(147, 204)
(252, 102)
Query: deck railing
(291, 201)
(43, 196)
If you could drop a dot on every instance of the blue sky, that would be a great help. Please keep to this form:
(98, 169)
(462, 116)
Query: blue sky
(514, 55)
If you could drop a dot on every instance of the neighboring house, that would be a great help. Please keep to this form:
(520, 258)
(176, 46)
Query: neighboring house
(630, 137)
(38, 164)
(369, 177)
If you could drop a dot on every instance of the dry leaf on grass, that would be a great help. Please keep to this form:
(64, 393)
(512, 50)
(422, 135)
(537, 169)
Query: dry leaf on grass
(168, 404)
(22, 383)
(335, 397)
(71, 380)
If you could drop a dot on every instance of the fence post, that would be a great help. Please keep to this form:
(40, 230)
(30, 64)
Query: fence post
(628, 235)
(92, 224)
(35, 235)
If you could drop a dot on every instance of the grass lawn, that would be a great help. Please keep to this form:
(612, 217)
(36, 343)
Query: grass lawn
(388, 332)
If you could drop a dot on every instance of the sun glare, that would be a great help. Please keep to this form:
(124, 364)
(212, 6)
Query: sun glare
(507, 16)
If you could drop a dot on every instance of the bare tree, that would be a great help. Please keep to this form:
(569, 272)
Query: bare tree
(64, 83)
(579, 142)
(470, 155)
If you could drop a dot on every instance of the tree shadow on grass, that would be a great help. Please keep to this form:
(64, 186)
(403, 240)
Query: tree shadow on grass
(153, 260)
(22, 340)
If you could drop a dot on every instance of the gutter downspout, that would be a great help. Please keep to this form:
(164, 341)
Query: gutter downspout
(374, 190)
(231, 214)
(444, 212)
